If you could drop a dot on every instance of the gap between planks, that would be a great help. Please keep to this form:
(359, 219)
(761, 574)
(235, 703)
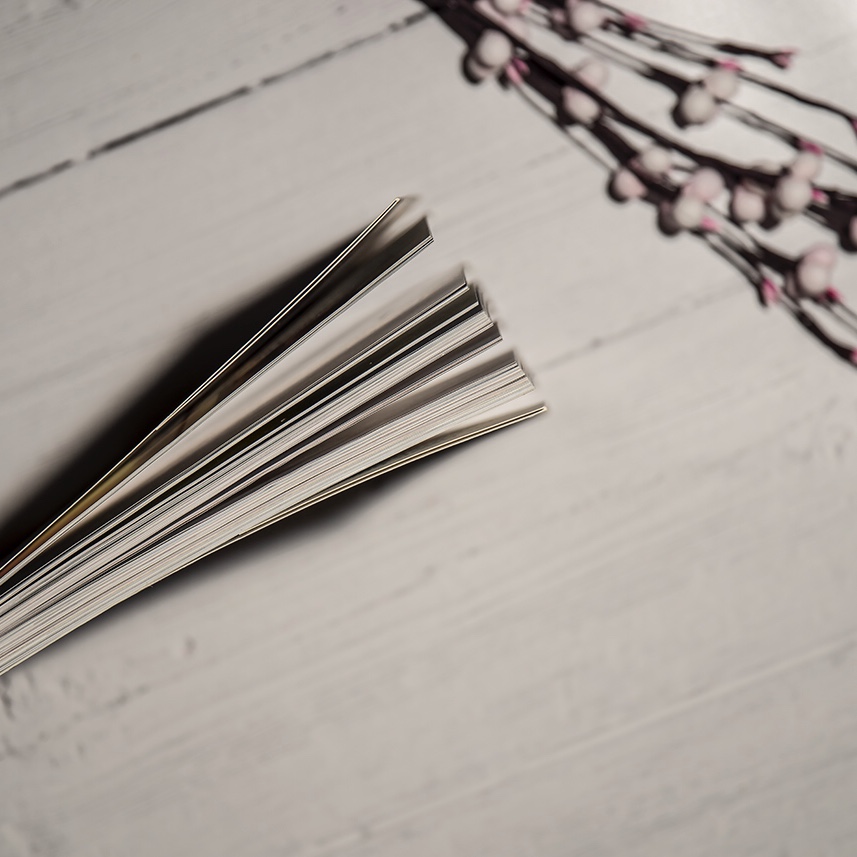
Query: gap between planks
(211, 104)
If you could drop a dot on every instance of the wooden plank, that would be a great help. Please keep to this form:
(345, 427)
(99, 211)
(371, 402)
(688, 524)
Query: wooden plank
(656, 644)
(625, 629)
(75, 77)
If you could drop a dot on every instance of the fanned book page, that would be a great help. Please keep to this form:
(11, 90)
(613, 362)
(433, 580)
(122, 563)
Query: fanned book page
(346, 382)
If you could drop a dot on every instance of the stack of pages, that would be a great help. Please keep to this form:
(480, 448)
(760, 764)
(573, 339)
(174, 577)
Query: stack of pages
(345, 383)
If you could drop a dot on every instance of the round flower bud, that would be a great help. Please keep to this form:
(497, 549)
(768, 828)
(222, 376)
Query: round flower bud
(687, 212)
(792, 194)
(705, 184)
(626, 185)
(820, 254)
(747, 206)
(585, 17)
(812, 280)
(580, 106)
(655, 160)
(493, 50)
(807, 165)
(592, 72)
(507, 7)
(697, 106)
(722, 83)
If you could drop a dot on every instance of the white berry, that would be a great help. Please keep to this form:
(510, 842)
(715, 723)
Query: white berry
(580, 106)
(807, 165)
(747, 206)
(722, 83)
(585, 17)
(705, 184)
(626, 185)
(697, 106)
(655, 160)
(494, 49)
(792, 194)
(593, 73)
(820, 254)
(812, 280)
(688, 211)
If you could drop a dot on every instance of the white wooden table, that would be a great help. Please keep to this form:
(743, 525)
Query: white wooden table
(627, 628)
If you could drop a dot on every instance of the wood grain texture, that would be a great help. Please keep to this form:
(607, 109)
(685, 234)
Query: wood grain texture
(76, 77)
(625, 629)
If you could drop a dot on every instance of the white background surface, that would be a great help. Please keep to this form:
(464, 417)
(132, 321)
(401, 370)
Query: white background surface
(627, 628)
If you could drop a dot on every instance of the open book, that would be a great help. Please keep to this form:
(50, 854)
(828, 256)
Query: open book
(345, 383)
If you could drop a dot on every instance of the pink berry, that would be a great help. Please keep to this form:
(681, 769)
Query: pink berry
(513, 74)
(811, 146)
(784, 58)
(770, 292)
(634, 22)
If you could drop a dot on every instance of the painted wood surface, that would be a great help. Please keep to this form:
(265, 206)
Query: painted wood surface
(625, 629)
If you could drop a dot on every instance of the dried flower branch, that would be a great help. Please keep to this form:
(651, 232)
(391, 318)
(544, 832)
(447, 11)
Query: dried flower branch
(723, 202)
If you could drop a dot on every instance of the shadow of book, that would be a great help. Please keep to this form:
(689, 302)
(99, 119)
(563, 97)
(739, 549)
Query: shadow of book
(151, 405)
(330, 379)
